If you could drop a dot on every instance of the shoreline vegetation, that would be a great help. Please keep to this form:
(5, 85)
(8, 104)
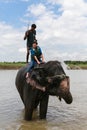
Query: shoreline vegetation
(69, 64)
(76, 65)
(11, 65)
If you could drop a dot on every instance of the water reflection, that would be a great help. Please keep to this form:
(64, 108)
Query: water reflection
(34, 125)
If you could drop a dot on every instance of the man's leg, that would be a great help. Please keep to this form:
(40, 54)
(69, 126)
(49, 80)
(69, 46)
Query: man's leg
(27, 55)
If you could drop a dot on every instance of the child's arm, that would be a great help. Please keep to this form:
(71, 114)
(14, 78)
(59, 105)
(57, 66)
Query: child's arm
(36, 60)
(42, 58)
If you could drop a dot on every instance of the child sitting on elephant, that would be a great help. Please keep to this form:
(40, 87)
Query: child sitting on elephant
(36, 57)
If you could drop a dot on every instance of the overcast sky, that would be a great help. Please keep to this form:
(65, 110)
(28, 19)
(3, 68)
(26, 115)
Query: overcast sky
(61, 28)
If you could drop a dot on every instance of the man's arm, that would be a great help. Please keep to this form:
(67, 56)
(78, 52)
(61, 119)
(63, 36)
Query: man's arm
(26, 35)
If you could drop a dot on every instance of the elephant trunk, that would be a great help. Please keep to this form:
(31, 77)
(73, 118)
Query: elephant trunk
(67, 98)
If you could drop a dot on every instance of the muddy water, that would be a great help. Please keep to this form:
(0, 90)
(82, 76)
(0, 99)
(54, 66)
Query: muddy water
(60, 116)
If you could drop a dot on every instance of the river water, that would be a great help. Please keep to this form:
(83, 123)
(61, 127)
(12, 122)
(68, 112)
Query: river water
(60, 116)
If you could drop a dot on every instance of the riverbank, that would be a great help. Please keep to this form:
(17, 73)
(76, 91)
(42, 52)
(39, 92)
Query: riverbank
(76, 64)
(11, 65)
(70, 65)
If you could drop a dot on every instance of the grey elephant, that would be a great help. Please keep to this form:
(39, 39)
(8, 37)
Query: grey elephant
(48, 79)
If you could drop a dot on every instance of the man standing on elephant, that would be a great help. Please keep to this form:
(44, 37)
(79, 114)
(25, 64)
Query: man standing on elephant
(30, 35)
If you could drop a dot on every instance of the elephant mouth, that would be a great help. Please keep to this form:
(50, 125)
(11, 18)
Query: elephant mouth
(66, 96)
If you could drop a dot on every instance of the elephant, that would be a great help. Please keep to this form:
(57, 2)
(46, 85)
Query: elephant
(45, 80)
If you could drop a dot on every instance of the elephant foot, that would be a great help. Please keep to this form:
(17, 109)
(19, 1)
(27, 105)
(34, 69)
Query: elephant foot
(43, 117)
(28, 114)
(28, 119)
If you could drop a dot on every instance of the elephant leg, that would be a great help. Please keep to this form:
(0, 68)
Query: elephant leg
(43, 107)
(29, 107)
(28, 113)
(36, 104)
(29, 103)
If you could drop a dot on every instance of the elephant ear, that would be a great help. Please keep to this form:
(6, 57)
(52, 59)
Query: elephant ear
(36, 78)
(35, 85)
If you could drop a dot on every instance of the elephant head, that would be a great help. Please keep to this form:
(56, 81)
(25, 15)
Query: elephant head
(59, 85)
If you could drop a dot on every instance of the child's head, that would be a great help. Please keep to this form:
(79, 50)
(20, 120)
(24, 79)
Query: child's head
(34, 45)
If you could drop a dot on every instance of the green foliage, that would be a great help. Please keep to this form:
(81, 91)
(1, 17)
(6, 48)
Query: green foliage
(77, 64)
(17, 65)
(11, 65)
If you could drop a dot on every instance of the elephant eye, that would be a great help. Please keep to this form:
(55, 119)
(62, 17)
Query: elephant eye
(33, 76)
(39, 74)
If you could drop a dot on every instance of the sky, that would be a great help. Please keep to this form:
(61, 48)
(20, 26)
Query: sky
(61, 28)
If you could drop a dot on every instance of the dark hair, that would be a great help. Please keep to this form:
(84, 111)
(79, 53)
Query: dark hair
(33, 25)
(35, 41)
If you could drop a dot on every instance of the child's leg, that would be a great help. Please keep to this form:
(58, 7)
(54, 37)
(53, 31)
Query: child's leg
(31, 65)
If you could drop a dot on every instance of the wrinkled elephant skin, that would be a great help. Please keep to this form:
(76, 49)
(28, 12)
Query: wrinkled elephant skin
(51, 78)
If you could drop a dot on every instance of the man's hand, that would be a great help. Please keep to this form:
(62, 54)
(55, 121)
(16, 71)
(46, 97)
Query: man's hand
(24, 38)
